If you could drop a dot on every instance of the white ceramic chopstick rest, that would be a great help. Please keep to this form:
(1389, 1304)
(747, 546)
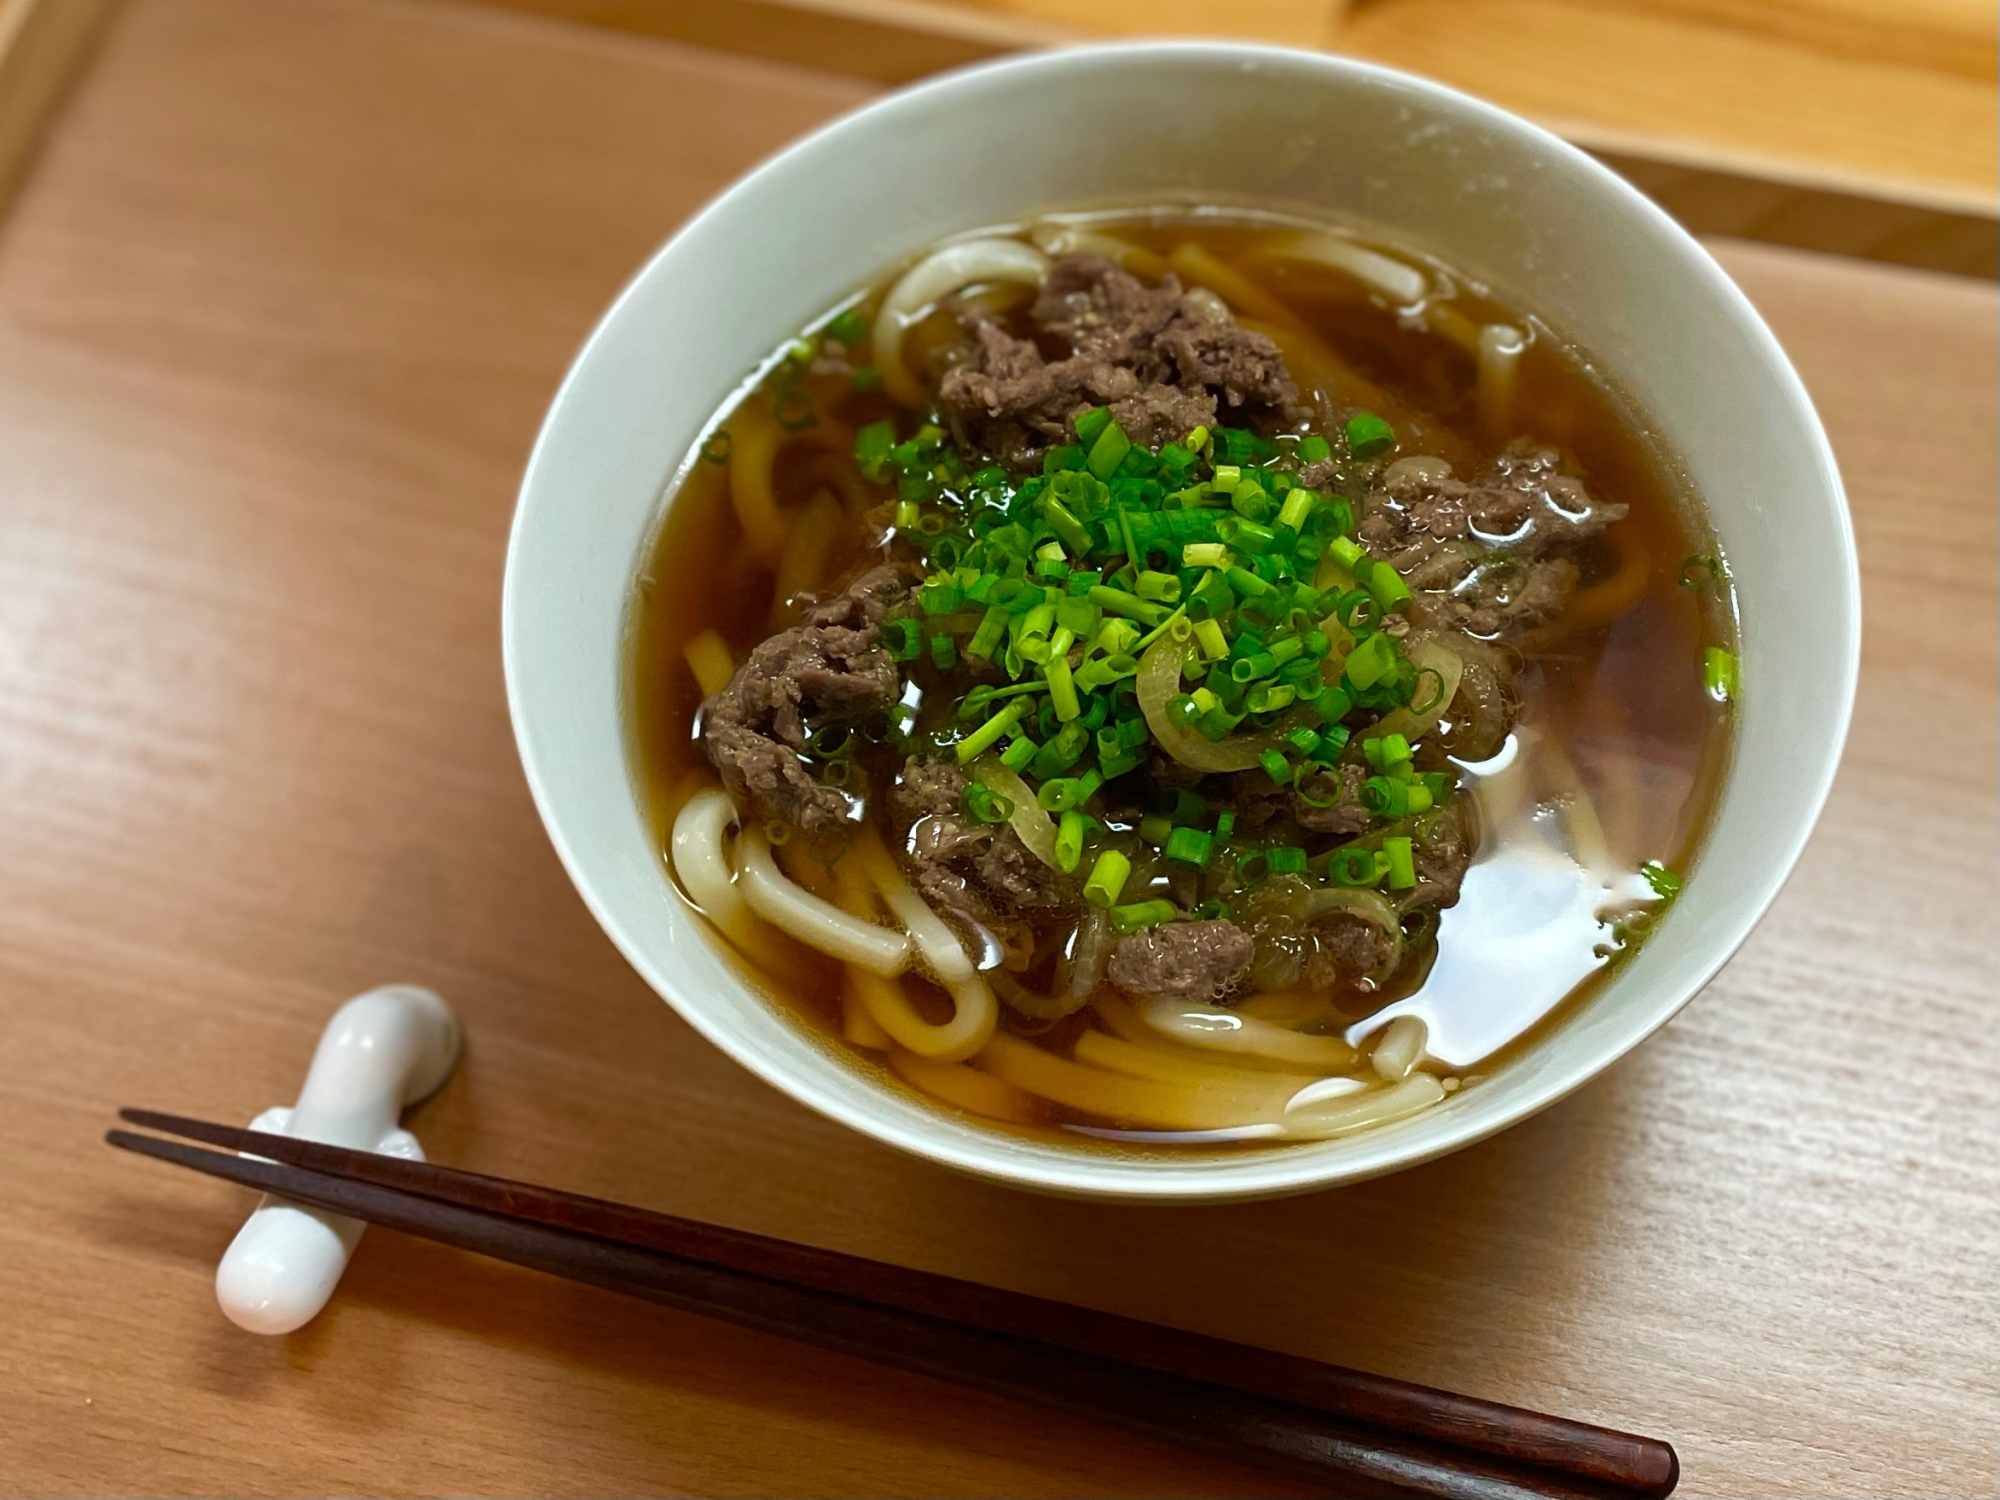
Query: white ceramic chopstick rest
(381, 1052)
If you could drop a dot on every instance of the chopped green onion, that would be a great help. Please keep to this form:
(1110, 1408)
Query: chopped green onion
(1190, 846)
(1018, 756)
(944, 653)
(1206, 555)
(1368, 435)
(866, 379)
(1069, 839)
(1276, 767)
(984, 805)
(1303, 740)
(1246, 584)
(1156, 828)
(1109, 450)
(1665, 883)
(1371, 661)
(1313, 449)
(1354, 867)
(1144, 914)
(992, 625)
(1250, 668)
(1090, 424)
(988, 734)
(1197, 440)
(1387, 585)
(848, 327)
(903, 639)
(1386, 796)
(1062, 691)
(1107, 879)
(1288, 859)
(1402, 868)
(1162, 588)
(1118, 602)
(1718, 674)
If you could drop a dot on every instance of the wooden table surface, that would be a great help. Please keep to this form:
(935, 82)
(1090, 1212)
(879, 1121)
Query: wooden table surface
(280, 309)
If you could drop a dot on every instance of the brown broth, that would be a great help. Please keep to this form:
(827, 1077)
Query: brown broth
(1621, 699)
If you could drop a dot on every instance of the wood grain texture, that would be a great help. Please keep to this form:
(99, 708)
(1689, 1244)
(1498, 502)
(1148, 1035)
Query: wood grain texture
(42, 43)
(279, 313)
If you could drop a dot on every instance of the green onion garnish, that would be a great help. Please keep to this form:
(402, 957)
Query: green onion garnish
(1402, 868)
(1718, 674)
(1368, 435)
(1144, 914)
(988, 734)
(1107, 879)
(984, 805)
(1069, 839)
(1665, 883)
(1190, 846)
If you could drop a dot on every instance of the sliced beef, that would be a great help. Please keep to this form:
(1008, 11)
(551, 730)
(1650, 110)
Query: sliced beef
(1490, 556)
(1441, 848)
(1182, 961)
(1326, 799)
(1165, 361)
(1345, 949)
(829, 667)
(980, 875)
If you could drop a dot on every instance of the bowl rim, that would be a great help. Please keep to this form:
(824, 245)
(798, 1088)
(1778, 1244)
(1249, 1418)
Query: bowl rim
(1156, 1180)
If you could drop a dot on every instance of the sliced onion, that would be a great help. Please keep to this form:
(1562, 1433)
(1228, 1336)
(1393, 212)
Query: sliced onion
(1358, 901)
(1428, 656)
(814, 922)
(1159, 679)
(939, 275)
(1400, 282)
(1221, 1030)
(1500, 348)
(1034, 827)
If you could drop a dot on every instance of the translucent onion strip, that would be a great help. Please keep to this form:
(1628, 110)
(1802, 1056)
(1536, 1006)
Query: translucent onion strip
(1320, 1118)
(1225, 1031)
(701, 864)
(816, 923)
(1034, 827)
(1400, 1048)
(1159, 679)
(1401, 283)
(951, 269)
(1500, 349)
(1426, 656)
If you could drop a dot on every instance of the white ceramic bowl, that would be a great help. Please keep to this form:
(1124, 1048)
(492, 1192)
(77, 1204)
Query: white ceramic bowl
(1551, 230)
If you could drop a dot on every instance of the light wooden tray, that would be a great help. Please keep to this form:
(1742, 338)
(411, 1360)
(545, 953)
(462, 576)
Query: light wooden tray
(281, 305)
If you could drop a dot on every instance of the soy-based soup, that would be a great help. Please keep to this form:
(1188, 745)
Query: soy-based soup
(1179, 679)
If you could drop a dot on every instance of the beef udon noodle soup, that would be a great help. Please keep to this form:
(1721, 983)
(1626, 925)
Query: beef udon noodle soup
(1179, 679)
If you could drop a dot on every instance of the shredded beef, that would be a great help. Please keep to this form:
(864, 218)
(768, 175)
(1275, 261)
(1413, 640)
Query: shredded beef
(1165, 361)
(1490, 556)
(828, 667)
(1331, 800)
(1345, 948)
(1182, 960)
(1440, 850)
(979, 874)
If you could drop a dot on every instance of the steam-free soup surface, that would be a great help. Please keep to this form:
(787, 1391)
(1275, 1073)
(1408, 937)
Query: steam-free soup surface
(1180, 680)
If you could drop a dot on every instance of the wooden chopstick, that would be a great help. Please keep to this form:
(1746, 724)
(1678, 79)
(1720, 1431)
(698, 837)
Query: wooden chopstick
(1161, 1380)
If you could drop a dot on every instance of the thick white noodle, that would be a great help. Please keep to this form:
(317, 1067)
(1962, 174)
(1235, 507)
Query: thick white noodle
(975, 1014)
(702, 864)
(955, 267)
(816, 923)
(1312, 1116)
(1401, 283)
(1071, 239)
(1400, 1048)
(1500, 346)
(1222, 1030)
(942, 951)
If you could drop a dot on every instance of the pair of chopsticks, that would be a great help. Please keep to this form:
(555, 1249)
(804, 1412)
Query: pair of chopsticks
(1351, 1432)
